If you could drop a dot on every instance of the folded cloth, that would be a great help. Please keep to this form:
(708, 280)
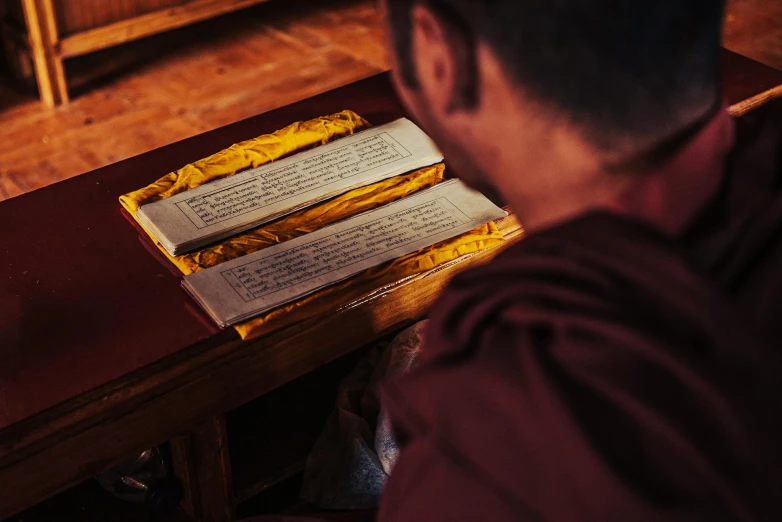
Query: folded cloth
(295, 138)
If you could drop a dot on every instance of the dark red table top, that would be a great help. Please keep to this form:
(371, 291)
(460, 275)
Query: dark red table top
(82, 300)
(744, 78)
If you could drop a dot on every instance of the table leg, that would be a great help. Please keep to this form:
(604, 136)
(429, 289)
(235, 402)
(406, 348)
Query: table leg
(202, 462)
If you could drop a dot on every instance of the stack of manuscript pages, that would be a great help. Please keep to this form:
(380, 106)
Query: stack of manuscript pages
(250, 285)
(220, 209)
(245, 287)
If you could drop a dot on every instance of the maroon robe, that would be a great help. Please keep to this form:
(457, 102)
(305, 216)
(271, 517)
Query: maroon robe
(623, 366)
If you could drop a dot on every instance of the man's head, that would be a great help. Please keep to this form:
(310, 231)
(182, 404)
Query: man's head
(607, 78)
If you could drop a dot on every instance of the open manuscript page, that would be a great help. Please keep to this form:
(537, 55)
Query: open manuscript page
(217, 210)
(248, 286)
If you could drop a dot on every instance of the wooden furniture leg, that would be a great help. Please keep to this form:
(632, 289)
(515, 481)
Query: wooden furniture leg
(203, 464)
(49, 71)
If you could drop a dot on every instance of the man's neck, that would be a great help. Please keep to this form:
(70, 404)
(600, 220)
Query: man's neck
(558, 178)
(551, 176)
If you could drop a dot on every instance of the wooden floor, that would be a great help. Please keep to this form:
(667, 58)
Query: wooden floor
(185, 82)
(144, 95)
(754, 28)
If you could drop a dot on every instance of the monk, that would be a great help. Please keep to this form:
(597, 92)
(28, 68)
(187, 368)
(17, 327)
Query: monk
(622, 362)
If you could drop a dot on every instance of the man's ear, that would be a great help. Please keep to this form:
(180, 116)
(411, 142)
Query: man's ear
(444, 56)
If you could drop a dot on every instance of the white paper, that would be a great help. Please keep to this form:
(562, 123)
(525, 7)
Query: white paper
(253, 284)
(219, 209)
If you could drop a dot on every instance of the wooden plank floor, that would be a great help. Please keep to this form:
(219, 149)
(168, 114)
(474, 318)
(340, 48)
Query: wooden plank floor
(144, 95)
(172, 86)
(754, 28)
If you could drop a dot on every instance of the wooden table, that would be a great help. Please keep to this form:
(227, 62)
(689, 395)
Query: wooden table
(104, 354)
(111, 356)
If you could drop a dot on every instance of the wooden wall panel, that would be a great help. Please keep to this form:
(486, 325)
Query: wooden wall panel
(74, 16)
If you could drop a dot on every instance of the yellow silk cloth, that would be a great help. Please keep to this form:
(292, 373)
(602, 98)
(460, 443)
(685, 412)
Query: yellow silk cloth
(295, 138)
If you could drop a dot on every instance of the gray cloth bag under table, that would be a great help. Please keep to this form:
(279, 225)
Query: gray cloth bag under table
(350, 462)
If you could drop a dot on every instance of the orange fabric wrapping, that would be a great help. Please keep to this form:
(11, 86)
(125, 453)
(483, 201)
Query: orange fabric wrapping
(284, 142)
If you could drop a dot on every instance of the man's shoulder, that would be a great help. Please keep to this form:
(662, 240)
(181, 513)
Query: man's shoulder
(590, 272)
(737, 238)
(569, 357)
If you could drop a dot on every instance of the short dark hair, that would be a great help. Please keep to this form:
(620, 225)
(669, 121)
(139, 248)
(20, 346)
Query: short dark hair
(613, 66)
